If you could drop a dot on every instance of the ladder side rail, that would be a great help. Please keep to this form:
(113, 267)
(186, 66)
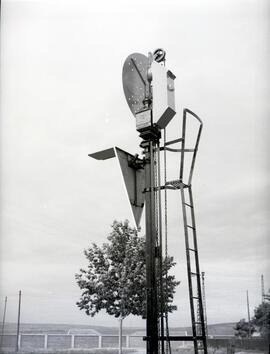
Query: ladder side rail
(183, 150)
(199, 289)
(193, 320)
(194, 155)
(196, 143)
(183, 146)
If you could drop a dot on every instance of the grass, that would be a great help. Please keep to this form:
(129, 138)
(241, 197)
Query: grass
(213, 329)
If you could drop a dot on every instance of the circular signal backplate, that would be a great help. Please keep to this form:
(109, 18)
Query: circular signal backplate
(135, 82)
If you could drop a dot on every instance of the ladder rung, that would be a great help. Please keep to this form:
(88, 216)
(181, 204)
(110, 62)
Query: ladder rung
(177, 184)
(193, 273)
(189, 205)
(192, 249)
(173, 141)
(191, 227)
(195, 297)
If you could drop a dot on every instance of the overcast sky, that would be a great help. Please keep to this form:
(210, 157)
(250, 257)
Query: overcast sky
(62, 98)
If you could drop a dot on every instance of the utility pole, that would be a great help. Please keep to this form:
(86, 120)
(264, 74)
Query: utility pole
(262, 288)
(3, 323)
(248, 312)
(18, 322)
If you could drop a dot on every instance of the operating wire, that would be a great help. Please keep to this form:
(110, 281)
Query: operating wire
(160, 249)
(168, 343)
(157, 233)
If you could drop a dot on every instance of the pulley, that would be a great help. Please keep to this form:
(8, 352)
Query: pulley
(159, 55)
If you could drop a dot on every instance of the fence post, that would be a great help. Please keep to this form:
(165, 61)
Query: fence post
(230, 347)
(127, 341)
(45, 341)
(100, 341)
(19, 341)
(72, 341)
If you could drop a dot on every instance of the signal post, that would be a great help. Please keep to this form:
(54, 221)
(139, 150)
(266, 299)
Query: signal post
(151, 284)
(149, 91)
(145, 80)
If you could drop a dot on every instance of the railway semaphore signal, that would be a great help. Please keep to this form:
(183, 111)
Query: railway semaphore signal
(149, 89)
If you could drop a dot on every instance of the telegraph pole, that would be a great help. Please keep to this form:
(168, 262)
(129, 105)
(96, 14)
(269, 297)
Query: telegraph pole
(18, 322)
(262, 288)
(3, 323)
(248, 312)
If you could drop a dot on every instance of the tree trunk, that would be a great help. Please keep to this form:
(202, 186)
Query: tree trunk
(120, 334)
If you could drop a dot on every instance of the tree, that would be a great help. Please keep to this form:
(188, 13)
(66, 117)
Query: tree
(261, 317)
(115, 277)
(243, 329)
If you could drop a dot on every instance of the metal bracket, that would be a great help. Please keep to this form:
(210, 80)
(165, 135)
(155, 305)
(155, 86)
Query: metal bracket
(150, 133)
(135, 162)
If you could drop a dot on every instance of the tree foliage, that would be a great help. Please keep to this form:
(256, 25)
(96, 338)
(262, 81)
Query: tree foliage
(261, 317)
(242, 329)
(115, 276)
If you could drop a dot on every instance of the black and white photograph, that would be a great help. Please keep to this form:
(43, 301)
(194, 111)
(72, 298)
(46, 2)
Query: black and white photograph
(134, 169)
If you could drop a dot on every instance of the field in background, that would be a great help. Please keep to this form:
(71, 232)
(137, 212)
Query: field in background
(220, 329)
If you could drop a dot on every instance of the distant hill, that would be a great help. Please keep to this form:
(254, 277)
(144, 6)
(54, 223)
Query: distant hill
(221, 329)
(213, 329)
(52, 328)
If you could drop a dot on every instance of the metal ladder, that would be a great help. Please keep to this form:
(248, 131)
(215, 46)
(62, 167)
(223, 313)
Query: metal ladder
(193, 267)
(193, 272)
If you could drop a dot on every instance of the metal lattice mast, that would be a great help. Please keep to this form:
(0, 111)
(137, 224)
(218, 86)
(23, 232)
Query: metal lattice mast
(204, 303)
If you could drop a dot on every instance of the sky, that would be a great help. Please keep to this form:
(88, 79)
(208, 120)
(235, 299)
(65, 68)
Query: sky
(62, 98)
